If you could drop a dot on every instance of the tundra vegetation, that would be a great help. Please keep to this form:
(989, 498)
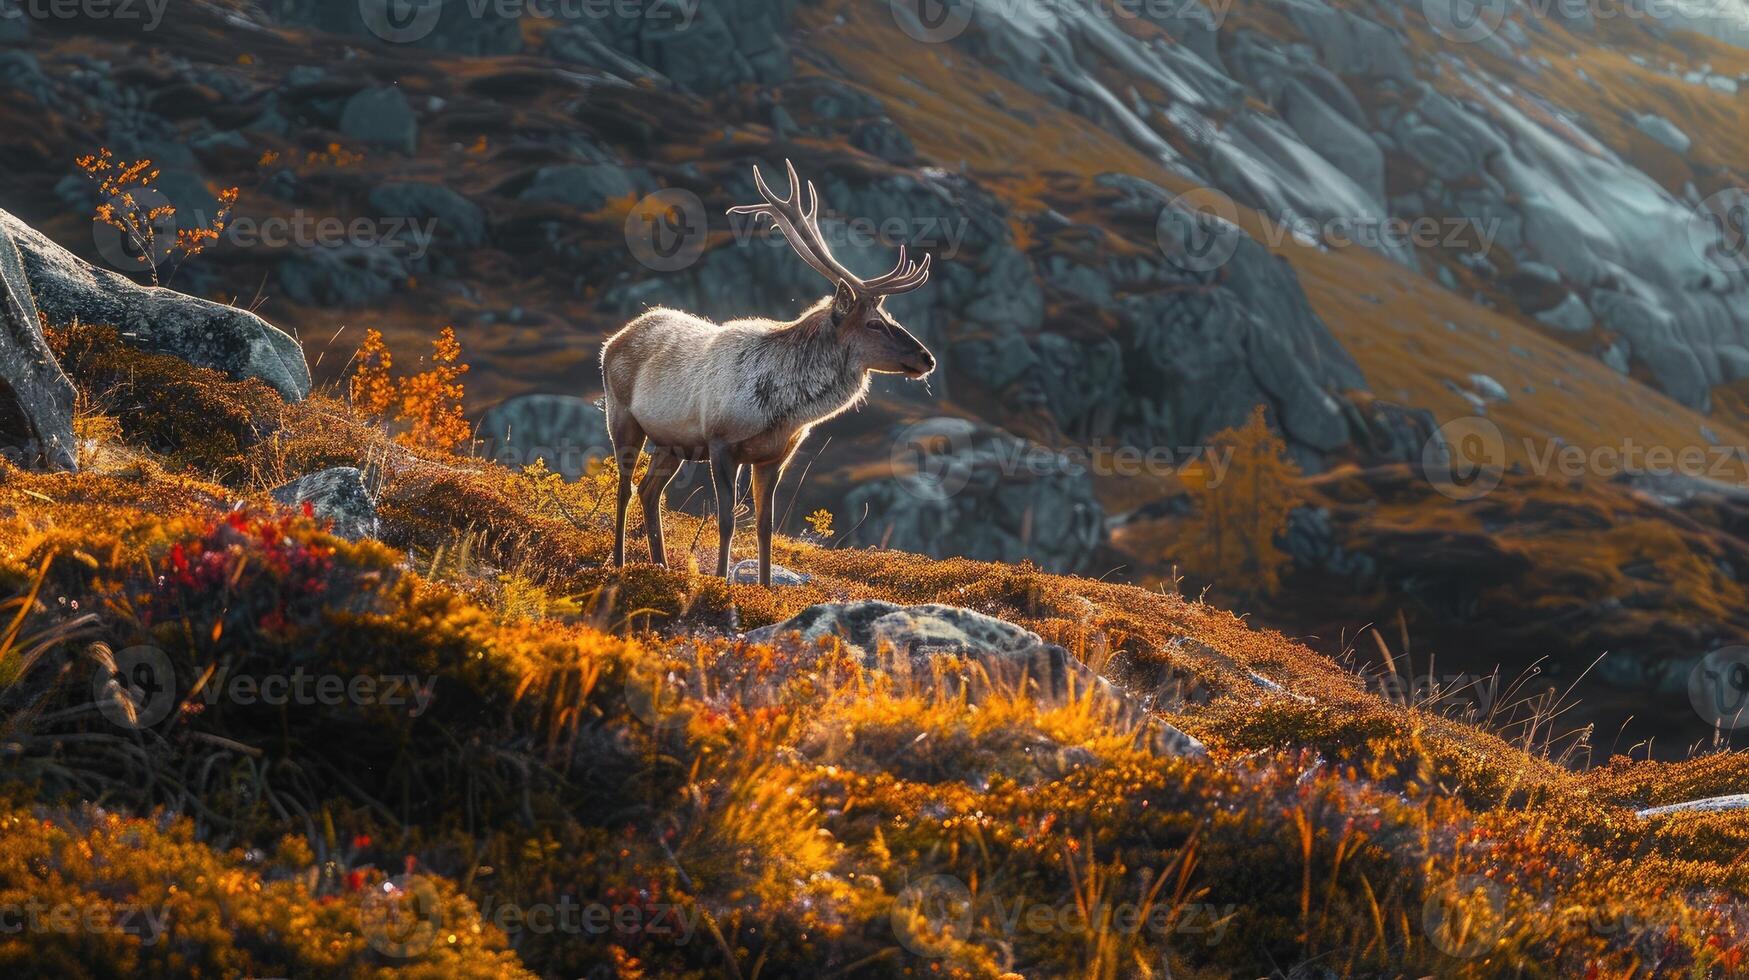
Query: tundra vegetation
(598, 740)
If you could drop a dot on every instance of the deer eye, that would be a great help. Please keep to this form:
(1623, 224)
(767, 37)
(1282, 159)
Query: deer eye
(875, 325)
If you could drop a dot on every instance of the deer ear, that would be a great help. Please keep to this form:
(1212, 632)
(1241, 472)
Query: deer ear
(842, 301)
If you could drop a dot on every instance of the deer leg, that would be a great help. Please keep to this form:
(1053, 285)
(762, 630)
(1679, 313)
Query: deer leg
(663, 465)
(765, 476)
(723, 471)
(628, 442)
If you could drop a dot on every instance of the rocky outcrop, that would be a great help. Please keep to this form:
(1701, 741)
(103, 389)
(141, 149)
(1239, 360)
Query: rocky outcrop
(224, 338)
(961, 488)
(36, 399)
(566, 431)
(910, 640)
(338, 495)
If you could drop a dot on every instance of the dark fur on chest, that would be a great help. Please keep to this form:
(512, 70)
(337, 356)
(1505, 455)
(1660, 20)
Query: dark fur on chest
(798, 375)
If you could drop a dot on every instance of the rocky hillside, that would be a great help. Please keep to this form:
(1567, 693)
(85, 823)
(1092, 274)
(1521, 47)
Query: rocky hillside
(1376, 220)
(280, 695)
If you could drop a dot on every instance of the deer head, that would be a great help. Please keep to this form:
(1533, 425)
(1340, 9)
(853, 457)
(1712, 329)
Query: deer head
(857, 312)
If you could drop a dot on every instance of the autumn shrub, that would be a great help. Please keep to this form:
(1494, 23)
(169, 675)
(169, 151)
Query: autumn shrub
(425, 407)
(1231, 539)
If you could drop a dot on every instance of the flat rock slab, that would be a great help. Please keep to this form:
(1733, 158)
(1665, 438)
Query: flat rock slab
(338, 495)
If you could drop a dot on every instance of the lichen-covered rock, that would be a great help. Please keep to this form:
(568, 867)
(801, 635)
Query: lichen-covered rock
(337, 495)
(908, 640)
(242, 345)
(36, 399)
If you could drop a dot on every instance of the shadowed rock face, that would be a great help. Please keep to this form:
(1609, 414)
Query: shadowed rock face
(36, 399)
(68, 289)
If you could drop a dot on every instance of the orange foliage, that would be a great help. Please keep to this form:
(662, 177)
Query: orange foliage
(1242, 510)
(118, 183)
(427, 405)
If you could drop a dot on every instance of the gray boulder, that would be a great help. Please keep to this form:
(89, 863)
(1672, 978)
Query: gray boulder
(381, 116)
(908, 640)
(459, 220)
(341, 275)
(566, 431)
(338, 495)
(583, 186)
(224, 338)
(1336, 138)
(36, 399)
(967, 489)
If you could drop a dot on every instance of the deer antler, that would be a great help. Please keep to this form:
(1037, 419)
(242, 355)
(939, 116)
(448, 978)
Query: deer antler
(800, 224)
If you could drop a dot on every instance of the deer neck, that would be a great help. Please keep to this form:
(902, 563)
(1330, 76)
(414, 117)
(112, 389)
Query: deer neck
(801, 373)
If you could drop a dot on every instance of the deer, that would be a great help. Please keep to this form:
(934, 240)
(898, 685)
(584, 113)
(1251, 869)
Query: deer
(747, 392)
